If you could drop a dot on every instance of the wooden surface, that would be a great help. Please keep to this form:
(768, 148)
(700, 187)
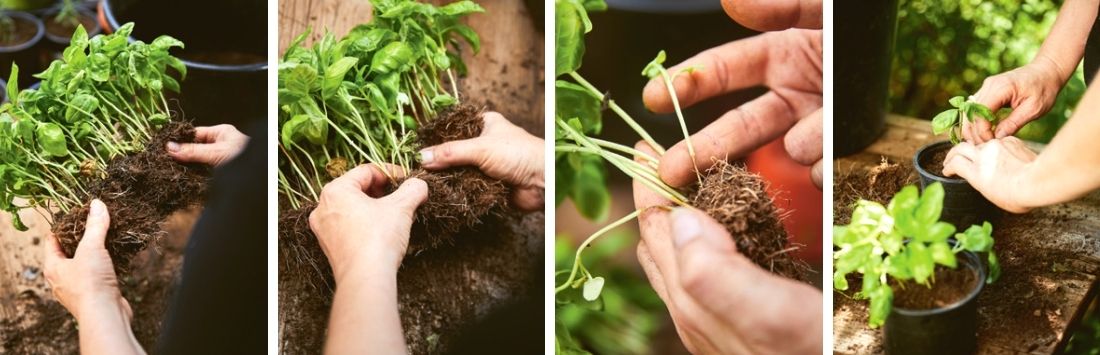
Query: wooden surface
(1054, 264)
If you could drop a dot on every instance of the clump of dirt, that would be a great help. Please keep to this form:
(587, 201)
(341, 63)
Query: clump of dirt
(306, 284)
(459, 198)
(140, 191)
(951, 285)
(739, 200)
(878, 184)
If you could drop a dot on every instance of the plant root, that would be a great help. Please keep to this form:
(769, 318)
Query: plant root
(140, 191)
(738, 199)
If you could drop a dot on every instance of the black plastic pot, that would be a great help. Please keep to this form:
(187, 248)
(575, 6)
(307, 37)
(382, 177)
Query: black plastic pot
(963, 206)
(942, 331)
(62, 41)
(226, 53)
(23, 53)
(864, 49)
(55, 44)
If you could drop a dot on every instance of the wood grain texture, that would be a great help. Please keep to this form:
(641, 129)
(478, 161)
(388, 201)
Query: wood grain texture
(1054, 259)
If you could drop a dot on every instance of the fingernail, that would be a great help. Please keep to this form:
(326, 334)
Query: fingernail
(426, 156)
(173, 147)
(685, 226)
(98, 209)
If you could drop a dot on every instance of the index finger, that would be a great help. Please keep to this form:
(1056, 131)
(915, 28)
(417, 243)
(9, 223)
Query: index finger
(731, 136)
(761, 59)
(732, 66)
(774, 15)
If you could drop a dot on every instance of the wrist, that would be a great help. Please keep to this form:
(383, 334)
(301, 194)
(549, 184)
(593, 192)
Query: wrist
(1054, 73)
(103, 310)
(368, 265)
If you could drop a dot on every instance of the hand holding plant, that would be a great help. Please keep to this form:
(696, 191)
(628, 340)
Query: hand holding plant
(787, 62)
(1029, 90)
(213, 146)
(87, 286)
(998, 169)
(711, 290)
(352, 247)
(504, 151)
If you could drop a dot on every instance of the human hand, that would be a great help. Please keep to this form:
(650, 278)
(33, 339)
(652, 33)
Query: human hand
(774, 15)
(1030, 90)
(359, 228)
(720, 302)
(504, 152)
(86, 283)
(213, 146)
(787, 62)
(994, 168)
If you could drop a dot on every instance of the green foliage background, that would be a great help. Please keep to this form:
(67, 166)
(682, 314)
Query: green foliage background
(946, 48)
(626, 317)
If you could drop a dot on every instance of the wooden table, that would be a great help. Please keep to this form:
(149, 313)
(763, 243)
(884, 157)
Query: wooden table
(1049, 273)
(507, 77)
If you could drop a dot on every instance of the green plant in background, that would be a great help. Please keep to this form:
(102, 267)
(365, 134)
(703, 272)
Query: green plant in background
(948, 46)
(104, 98)
(624, 319)
(952, 119)
(67, 14)
(360, 99)
(904, 240)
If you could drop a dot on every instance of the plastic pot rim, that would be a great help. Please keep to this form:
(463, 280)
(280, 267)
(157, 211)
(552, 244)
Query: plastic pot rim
(34, 40)
(922, 171)
(49, 14)
(112, 24)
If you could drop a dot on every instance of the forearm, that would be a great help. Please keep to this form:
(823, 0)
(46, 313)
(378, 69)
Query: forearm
(106, 330)
(1069, 167)
(364, 317)
(1065, 45)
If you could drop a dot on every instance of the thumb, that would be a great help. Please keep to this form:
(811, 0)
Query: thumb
(409, 195)
(1015, 120)
(193, 153)
(993, 93)
(95, 228)
(461, 152)
(711, 270)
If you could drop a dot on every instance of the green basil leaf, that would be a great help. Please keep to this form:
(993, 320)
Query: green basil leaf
(931, 204)
(460, 8)
(574, 101)
(334, 75)
(51, 139)
(956, 101)
(944, 121)
(569, 30)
